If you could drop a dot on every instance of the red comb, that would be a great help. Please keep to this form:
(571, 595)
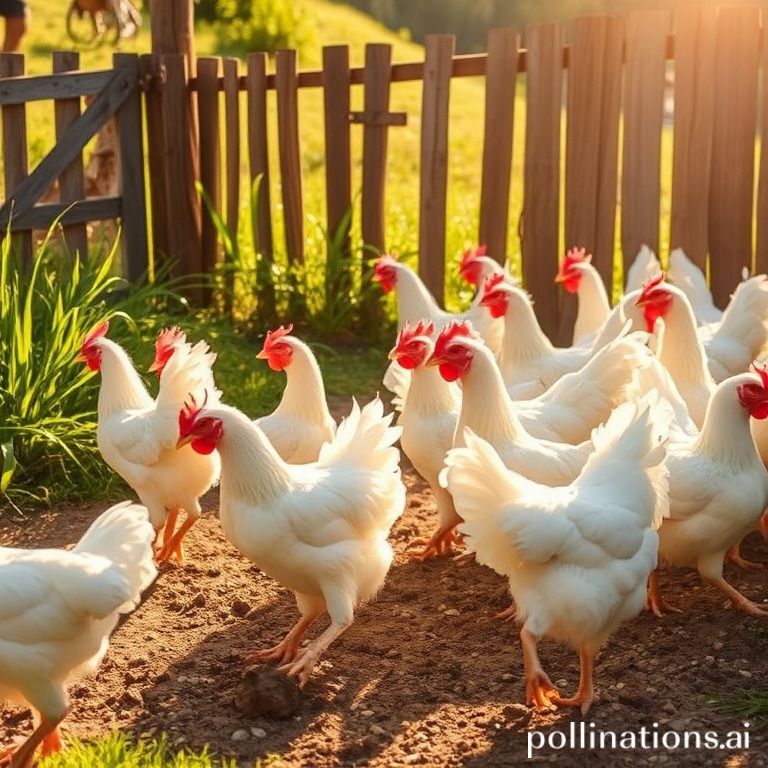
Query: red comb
(452, 331)
(761, 369)
(188, 414)
(575, 256)
(273, 337)
(96, 333)
(382, 263)
(408, 331)
(650, 284)
(493, 281)
(473, 253)
(168, 338)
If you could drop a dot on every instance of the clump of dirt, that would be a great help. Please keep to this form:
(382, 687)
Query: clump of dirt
(425, 676)
(268, 692)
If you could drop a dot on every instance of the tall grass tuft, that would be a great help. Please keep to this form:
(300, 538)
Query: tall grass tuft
(47, 396)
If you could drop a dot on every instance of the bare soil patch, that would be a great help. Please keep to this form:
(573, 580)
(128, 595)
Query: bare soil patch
(425, 676)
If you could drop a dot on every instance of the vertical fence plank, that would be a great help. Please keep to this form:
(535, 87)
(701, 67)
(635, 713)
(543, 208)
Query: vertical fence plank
(594, 92)
(286, 85)
(761, 211)
(258, 162)
(232, 162)
(210, 162)
(643, 115)
(338, 184)
(153, 74)
(376, 81)
(130, 145)
(438, 64)
(541, 211)
(72, 180)
(183, 200)
(16, 169)
(500, 79)
(694, 104)
(737, 59)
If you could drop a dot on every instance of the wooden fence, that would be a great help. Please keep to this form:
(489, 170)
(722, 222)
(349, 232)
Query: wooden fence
(112, 93)
(615, 72)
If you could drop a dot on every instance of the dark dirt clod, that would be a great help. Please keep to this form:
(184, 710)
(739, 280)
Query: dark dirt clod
(265, 691)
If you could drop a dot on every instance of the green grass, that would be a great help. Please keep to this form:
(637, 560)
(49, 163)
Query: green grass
(752, 705)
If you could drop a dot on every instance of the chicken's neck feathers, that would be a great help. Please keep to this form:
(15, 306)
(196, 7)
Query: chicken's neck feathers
(414, 301)
(121, 386)
(682, 352)
(524, 341)
(304, 393)
(429, 394)
(251, 469)
(594, 306)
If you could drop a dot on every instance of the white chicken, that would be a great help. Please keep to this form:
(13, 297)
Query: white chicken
(319, 529)
(430, 409)
(577, 557)
(530, 363)
(718, 488)
(415, 302)
(137, 435)
(643, 268)
(691, 281)
(301, 423)
(57, 611)
(476, 265)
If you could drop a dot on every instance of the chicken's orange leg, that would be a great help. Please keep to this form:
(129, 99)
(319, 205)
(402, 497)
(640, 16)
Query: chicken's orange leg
(734, 556)
(168, 529)
(654, 601)
(439, 543)
(288, 647)
(24, 757)
(539, 690)
(308, 657)
(174, 548)
(585, 694)
(739, 601)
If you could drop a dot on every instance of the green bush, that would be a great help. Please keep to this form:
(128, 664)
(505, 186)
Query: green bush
(47, 396)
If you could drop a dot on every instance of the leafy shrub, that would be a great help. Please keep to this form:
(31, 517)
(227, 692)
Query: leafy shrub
(47, 396)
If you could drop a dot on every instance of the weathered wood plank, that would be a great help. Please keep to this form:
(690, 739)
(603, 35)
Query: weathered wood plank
(434, 162)
(43, 215)
(72, 178)
(541, 209)
(737, 60)
(232, 164)
(151, 72)
(70, 85)
(497, 142)
(16, 168)
(694, 108)
(258, 162)
(210, 163)
(643, 115)
(338, 167)
(135, 245)
(761, 212)
(180, 172)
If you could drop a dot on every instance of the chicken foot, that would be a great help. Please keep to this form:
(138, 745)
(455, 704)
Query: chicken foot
(174, 548)
(734, 556)
(168, 530)
(740, 602)
(46, 733)
(439, 543)
(654, 601)
(539, 690)
(585, 694)
(287, 649)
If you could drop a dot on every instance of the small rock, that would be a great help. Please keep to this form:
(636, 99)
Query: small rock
(267, 692)
(669, 707)
(717, 645)
(377, 730)
(620, 686)
(240, 608)
(709, 659)
(367, 713)
(452, 612)
(507, 676)
(745, 673)
(240, 735)
(258, 733)
(561, 683)
(392, 653)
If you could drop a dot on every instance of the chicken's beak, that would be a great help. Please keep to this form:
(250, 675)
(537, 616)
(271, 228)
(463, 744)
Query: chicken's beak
(154, 367)
(183, 440)
(432, 362)
(262, 355)
(559, 277)
(392, 354)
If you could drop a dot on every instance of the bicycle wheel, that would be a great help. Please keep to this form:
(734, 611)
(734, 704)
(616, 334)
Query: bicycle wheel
(81, 25)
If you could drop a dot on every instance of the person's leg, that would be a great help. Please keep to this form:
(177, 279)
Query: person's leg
(16, 15)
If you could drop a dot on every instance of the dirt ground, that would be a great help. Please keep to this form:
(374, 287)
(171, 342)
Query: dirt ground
(425, 676)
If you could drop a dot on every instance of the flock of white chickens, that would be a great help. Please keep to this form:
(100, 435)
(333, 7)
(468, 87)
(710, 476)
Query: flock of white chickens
(574, 472)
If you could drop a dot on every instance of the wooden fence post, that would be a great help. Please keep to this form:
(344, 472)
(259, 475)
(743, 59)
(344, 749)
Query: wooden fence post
(232, 165)
(500, 81)
(131, 175)
(438, 65)
(16, 167)
(210, 164)
(72, 181)
(258, 162)
(541, 211)
(761, 211)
